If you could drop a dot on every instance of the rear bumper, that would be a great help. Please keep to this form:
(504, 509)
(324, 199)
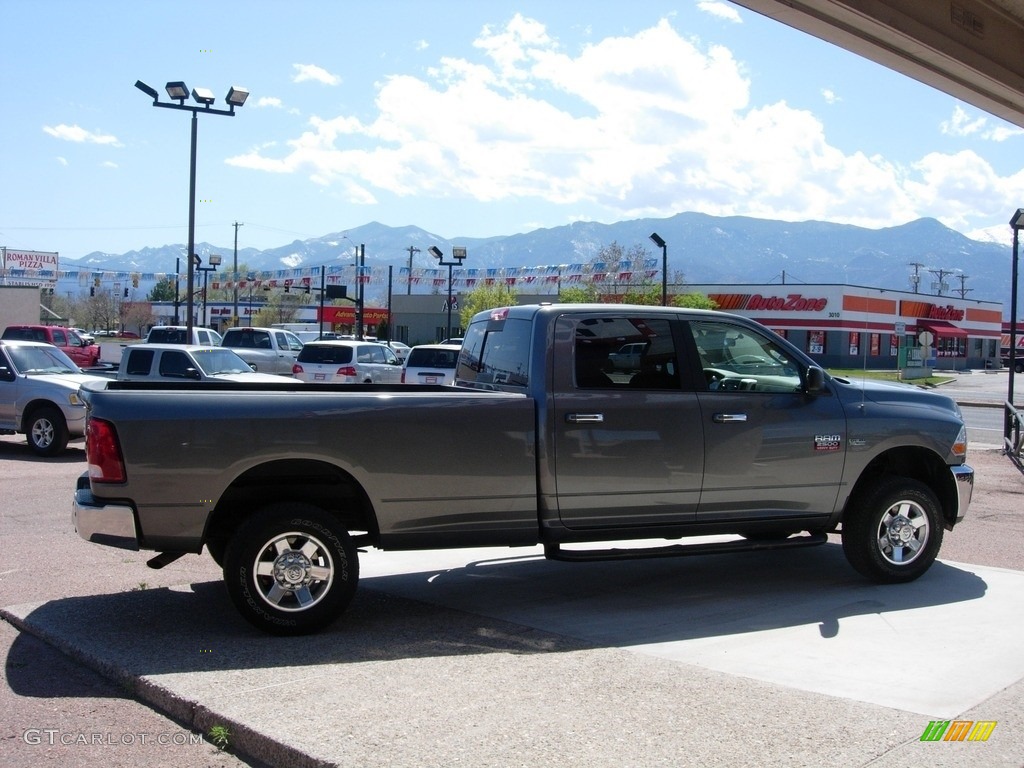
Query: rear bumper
(112, 525)
(964, 477)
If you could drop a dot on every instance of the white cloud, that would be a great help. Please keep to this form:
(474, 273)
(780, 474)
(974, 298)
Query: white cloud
(62, 161)
(962, 125)
(721, 10)
(269, 101)
(647, 124)
(304, 72)
(79, 135)
(830, 96)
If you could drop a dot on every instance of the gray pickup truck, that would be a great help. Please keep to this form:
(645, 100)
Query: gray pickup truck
(267, 350)
(719, 428)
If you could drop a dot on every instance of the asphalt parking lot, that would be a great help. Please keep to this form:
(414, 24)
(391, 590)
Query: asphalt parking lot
(497, 657)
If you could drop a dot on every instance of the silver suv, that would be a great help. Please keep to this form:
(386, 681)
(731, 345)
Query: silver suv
(347, 362)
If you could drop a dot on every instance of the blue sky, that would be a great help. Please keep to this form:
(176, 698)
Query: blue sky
(467, 118)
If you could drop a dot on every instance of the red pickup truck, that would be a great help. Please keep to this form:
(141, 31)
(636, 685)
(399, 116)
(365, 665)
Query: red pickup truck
(84, 353)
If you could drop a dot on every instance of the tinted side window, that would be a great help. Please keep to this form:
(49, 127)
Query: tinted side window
(634, 351)
(60, 338)
(312, 353)
(173, 364)
(139, 362)
(735, 358)
(496, 352)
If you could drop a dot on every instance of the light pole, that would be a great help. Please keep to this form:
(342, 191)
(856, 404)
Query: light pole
(458, 253)
(1017, 222)
(214, 263)
(178, 91)
(656, 238)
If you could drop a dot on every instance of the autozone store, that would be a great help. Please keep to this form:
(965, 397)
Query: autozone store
(849, 326)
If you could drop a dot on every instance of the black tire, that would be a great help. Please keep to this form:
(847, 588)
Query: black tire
(291, 569)
(46, 431)
(892, 532)
(217, 548)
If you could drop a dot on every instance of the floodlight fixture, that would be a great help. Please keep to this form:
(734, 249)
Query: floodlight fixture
(148, 90)
(435, 252)
(236, 96)
(657, 240)
(177, 91)
(203, 96)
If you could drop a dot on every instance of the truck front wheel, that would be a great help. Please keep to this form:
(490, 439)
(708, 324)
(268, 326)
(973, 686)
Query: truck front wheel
(892, 532)
(291, 569)
(47, 432)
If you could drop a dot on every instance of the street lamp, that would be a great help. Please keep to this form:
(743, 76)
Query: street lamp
(214, 263)
(656, 238)
(178, 91)
(458, 253)
(1017, 223)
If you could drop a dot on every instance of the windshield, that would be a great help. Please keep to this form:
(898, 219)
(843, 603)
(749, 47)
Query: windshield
(214, 361)
(41, 360)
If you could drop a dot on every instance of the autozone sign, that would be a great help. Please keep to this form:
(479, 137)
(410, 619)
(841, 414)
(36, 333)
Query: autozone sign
(791, 302)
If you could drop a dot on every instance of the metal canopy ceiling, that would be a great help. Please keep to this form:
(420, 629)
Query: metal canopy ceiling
(970, 49)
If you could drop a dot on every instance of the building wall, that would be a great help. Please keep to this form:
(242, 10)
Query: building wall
(19, 305)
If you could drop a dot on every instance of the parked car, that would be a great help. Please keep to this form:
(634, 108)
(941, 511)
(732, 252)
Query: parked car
(268, 350)
(84, 334)
(39, 395)
(175, 362)
(178, 334)
(627, 358)
(400, 349)
(347, 362)
(453, 340)
(84, 354)
(431, 364)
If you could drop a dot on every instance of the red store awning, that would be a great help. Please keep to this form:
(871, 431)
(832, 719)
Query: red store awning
(942, 328)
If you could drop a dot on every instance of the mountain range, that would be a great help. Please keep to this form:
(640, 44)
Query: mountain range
(701, 249)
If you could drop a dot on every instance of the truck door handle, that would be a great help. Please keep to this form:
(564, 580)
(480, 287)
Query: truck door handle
(584, 418)
(726, 418)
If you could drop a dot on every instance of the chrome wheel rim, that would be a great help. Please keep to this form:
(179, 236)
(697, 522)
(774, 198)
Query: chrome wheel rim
(903, 532)
(293, 571)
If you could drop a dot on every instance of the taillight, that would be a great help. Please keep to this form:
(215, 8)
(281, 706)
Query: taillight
(103, 452)
(296, 368)
(347, 370)
(403, 375)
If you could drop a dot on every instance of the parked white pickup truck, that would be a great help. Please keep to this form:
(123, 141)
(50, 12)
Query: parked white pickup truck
(186, 362)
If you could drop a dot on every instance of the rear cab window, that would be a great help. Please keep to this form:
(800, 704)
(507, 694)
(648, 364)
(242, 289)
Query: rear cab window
(496, 353)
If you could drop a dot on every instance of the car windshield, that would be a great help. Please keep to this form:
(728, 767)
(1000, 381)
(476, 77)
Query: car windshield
(214, 361)
(42, 360)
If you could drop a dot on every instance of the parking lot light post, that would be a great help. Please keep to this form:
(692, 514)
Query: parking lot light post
(458, 253)
(1017, 222)
(214, 263)
(656, 239)
(177, 91)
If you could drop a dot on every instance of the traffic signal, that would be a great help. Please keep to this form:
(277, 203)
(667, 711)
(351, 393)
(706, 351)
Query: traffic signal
(126, 293)
(307, 288)
(92, 290)
(287, 288)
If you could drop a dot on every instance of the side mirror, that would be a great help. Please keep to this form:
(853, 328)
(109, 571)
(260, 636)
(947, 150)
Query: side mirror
(192, 373)
(815, 380)
(6, 374)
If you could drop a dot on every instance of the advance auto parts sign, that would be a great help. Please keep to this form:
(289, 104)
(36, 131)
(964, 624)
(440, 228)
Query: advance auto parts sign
(752, 302)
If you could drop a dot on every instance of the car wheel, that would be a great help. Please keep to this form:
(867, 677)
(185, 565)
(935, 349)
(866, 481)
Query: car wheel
(892, 533)
(291, 569)
(47, 432)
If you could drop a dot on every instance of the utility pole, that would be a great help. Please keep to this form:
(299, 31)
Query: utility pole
(941, 275)
(915, 279)
(234, 311)
(962, 290)
(408, 286)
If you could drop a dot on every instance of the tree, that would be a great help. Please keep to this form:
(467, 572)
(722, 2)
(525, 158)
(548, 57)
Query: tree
(694, 300)
(162, 291)
(486, 297)
(579, 294)
(643, 294)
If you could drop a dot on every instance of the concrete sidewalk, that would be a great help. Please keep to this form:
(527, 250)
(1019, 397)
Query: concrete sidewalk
(497, 657)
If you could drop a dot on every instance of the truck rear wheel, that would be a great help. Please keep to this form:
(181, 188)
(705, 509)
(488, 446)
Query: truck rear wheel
(291, 569)
(46, 431)
(892, 532)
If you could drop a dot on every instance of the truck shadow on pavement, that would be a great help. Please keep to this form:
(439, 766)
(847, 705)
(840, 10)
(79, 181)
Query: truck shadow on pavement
(517, 605)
